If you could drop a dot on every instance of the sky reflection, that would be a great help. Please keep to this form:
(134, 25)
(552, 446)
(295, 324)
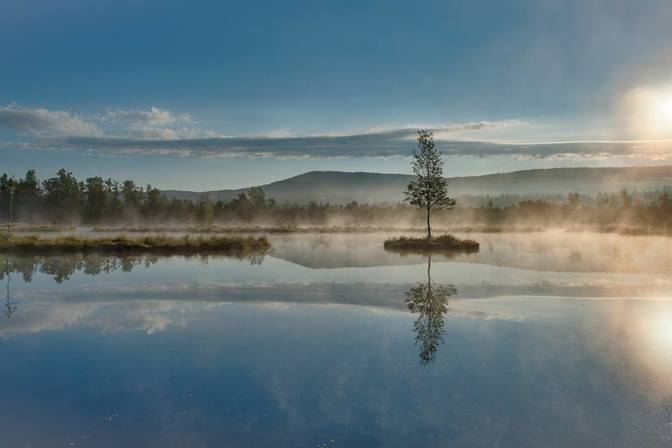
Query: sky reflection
(212, 352)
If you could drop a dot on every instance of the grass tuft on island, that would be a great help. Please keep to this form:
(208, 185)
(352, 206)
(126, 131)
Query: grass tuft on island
(440, 244)
(237, 246)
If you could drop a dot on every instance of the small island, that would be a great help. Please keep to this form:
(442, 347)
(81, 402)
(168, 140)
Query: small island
(237, 246)
(441, 244)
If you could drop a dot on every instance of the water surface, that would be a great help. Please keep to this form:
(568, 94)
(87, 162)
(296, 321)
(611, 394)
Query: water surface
(546, 339)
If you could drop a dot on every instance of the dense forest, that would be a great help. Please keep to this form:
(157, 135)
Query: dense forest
(65, 200)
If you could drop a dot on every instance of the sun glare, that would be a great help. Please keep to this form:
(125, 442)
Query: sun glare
(663, 108)
(649, 112)
(661, 332)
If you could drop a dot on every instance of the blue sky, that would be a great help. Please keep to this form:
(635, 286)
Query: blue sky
(217, 94)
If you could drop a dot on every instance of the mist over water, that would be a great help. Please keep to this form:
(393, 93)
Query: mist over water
(538, 339)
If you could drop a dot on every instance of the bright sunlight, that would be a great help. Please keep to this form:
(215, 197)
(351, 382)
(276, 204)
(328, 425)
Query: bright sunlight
(649, 112)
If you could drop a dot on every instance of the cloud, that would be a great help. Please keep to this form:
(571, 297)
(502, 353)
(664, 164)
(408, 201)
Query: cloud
(151, 124)
(45, 122)
(154, 116)
(147, 316)
(386, 144)
(157, 131)
(143, 135)
(153, 308)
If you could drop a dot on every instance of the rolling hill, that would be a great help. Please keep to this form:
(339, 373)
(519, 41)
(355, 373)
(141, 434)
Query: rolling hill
(342, 187)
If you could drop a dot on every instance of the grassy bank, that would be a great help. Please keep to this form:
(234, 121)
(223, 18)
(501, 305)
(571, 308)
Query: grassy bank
(156, 244)
(37, 228)
(441, 244)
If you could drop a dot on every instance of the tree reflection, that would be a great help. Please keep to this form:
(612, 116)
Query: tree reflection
(10, 305)
(61, 267)
(430, 301)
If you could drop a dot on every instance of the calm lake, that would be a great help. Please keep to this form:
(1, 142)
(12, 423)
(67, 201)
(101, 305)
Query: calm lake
(540, 339)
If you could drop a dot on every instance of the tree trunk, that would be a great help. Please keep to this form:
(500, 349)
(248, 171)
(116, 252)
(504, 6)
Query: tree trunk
(429, 227)
(429, 270)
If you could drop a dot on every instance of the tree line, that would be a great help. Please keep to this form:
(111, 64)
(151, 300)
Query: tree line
(65, 200)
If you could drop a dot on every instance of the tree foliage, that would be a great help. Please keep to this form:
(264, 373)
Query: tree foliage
(428, 191)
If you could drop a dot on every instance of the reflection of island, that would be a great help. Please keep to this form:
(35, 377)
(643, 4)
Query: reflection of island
(430, 301)
(548, 252)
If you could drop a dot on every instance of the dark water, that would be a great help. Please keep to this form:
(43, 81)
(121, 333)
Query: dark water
(538, 340)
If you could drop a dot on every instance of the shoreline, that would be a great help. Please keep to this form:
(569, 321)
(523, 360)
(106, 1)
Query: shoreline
(168, 245)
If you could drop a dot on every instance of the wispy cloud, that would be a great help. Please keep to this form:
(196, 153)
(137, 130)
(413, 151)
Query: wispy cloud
(151, 124)
(157, 131)
(154, 116)
(385, 144)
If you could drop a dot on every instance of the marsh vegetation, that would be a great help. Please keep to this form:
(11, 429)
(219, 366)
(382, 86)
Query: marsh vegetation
(440, 244)
(157, 244)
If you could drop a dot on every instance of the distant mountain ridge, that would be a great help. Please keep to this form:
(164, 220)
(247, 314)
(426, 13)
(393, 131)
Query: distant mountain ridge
(343, 187)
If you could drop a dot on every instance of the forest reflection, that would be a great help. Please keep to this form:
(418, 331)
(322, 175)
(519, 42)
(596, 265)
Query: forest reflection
(62, 267)
(10, 305)
(430, 302)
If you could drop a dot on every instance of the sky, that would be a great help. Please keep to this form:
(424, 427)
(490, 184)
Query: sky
(212, 94)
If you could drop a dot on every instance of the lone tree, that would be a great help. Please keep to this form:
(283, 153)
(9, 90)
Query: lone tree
(429, 190)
